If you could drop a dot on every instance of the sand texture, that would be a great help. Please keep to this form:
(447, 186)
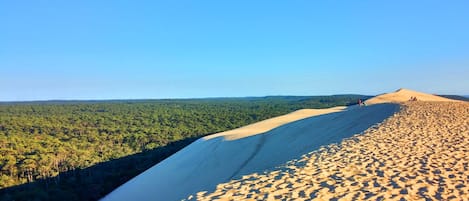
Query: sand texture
(419, 153)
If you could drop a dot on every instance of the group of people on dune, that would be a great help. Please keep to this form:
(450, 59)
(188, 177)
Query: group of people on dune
(362, 103)
(413, 98)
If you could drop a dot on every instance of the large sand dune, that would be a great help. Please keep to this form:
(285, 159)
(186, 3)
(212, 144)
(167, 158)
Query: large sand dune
(421, 153)
(261, 151)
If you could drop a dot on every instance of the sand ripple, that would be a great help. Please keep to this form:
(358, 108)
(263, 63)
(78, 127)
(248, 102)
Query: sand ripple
(420, 153)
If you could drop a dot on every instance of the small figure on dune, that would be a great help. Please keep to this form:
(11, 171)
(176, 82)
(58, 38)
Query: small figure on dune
(413, 98)
(361, 103)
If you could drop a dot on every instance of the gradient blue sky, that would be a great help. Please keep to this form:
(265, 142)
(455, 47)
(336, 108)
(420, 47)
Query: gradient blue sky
(179, 49)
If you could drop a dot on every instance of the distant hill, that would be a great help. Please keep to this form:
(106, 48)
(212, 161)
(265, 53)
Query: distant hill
(456, 97)
(404, 95)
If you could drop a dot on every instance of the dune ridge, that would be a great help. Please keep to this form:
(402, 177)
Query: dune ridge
(269, 124)
(404, 95)
(420, 153)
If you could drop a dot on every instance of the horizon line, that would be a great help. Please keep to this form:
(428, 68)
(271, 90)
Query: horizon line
(180, 98)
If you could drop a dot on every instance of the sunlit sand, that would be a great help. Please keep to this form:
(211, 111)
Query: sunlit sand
(421, 153)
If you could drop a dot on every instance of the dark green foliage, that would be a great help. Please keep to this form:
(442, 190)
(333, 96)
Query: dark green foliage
(83, 150)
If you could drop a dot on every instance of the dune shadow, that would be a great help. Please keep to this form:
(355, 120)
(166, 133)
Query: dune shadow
(291, 141)
(94, 182)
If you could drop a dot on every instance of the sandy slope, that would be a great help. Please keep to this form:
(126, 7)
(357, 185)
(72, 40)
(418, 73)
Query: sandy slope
(420, 153)
(222, 157)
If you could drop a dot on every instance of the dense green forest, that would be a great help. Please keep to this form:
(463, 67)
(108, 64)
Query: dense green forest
(82, 150)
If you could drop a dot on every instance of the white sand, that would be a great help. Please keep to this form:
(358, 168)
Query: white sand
(255, 148)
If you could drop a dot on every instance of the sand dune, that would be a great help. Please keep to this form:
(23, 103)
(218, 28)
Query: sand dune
(421, 153)
(225, 156)
(403, 95)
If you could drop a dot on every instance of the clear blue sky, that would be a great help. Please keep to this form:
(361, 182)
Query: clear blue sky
(178, 49)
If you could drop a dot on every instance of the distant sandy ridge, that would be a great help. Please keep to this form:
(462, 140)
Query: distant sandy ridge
(269, 124)
(404, 95)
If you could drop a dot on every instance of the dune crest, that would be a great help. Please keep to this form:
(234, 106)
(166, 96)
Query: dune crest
(269, 124)
(404, 95)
